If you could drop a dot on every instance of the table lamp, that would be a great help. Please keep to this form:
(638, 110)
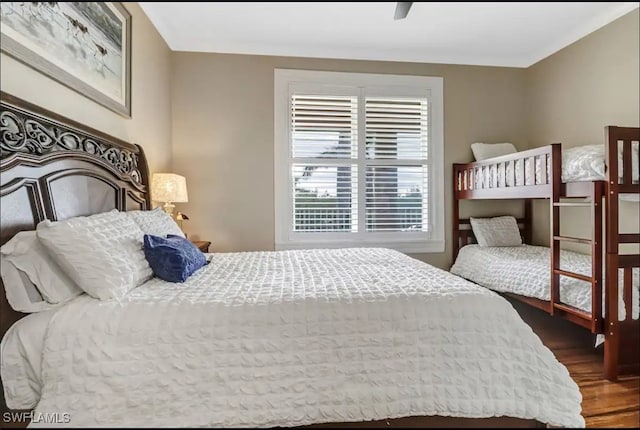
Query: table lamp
(169, 188)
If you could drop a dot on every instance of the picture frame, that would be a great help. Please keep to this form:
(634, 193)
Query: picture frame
(85, 46)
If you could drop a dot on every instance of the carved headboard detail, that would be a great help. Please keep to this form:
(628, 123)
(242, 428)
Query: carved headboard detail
(22, 133)
(54, 168)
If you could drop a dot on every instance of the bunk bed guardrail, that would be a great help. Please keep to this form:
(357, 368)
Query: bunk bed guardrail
(510, 176)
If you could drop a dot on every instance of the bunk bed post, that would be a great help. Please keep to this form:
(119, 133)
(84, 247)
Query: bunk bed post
(528, 221)
(612, 335)
(596, 257)
(455, 223)
(554, 218)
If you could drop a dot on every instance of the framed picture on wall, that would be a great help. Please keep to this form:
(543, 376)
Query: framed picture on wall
(83, 45)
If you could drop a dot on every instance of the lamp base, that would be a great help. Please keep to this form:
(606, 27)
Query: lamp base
(180, 217)
(168, 208)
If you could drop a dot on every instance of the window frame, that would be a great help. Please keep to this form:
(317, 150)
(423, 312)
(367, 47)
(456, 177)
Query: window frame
(363, 84)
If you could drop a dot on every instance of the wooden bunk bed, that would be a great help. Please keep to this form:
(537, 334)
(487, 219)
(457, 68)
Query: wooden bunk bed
(471, 182)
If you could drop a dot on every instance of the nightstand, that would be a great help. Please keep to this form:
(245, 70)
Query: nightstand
(203, 245)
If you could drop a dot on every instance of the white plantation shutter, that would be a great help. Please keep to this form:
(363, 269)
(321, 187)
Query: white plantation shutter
(324, 194)
(397, 198)
(324, 126)
(396, 128)
(397, 187)
(358, 161)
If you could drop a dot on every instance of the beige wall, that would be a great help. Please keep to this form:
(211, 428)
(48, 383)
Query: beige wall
(210, 118)
(573, 94)
(223, 135)
(150, 124)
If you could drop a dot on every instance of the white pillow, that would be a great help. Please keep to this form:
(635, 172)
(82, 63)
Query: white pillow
(102, 253)
(482, 151)
(21, 294)
(28, 255)
(156, 222)
(497, 231)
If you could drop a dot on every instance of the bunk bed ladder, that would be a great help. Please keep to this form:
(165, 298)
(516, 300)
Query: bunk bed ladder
(593, 320)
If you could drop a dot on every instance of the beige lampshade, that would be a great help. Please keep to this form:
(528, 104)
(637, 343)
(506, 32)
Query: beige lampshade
(169, 187)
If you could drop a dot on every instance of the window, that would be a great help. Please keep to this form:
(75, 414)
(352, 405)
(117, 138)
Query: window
(358, 161)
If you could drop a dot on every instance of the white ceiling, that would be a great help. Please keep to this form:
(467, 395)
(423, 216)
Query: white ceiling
(498, 34)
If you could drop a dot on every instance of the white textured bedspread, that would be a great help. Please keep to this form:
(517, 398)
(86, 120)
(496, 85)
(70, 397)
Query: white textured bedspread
(587, 163)
(525, 269)
(297, 337)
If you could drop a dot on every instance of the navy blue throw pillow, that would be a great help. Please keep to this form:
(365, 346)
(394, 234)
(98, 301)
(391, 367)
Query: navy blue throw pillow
(173, 259)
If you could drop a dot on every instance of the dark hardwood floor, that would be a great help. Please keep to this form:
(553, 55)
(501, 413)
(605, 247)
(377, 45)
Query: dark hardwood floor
(604, 403)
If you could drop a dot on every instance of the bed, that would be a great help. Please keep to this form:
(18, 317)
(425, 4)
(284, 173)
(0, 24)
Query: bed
(524, 270)
(264, 339)
(597, 175)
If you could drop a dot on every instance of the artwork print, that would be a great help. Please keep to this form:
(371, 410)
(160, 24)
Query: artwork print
(84, 45)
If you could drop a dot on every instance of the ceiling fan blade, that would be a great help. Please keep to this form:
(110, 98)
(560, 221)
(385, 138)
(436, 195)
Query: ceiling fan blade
(402, 9)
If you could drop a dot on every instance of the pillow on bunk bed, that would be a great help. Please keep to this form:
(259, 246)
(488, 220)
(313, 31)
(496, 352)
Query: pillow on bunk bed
(482, 151)
(497, 231)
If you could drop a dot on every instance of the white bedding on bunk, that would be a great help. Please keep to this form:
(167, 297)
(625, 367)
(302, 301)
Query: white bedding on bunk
(525, 269)
(581, 163)
(292, 338)
(587, 163)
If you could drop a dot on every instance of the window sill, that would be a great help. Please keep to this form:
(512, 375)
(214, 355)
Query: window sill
(432, 246)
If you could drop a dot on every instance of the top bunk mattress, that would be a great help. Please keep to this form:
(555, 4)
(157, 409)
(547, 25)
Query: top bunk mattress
(587, 163)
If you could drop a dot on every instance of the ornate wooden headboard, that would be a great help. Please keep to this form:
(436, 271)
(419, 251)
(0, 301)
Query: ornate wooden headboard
(54, 168)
